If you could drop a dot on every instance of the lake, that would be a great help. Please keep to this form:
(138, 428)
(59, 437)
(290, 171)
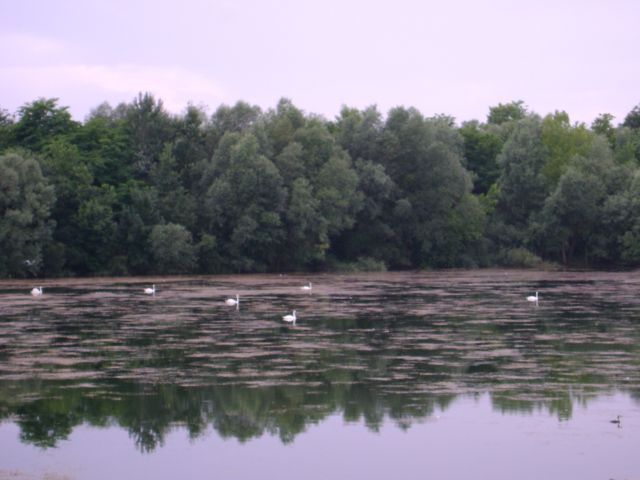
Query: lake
(448, 374)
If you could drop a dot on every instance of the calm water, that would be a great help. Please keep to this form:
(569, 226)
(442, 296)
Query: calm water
(430, 375)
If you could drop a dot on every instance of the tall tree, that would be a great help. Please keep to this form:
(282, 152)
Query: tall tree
(424, 158)
(244, 204)
(481, 149)
(40, 122)
(507, 112)
(603, 125)
(562, 141)
(26, 199)
(632, 120)
(173, 249)
(360, 132)
(573, 215)
(6, 129)
(148, 127)
(523, 187)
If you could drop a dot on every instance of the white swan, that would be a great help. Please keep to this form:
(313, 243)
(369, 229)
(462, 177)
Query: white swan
(36, 292)
(306, 287)
(532, 298)
(290, 318)
(150, 291)
(231, 302)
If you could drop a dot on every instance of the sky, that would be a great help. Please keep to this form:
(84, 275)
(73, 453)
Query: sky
(453, 57)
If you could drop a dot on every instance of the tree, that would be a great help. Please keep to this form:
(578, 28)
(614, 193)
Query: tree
(318, 146)
(360, 132)
(507, 112)
(602, 125)
(148, 127)
(66, 169)
(137, 213)
(523, 188)
(562, 142)
(372, 235)
(282, 123)
(26, 199)
(239, 118)
(104, 145)
(573, 218)
(41, 121)
(244, 203)
(627, 145)
(6, 129)
(338, 197)
(96, 227)
(424, 159)
(632, 120)
(193, 144)
(176, 204)
(307, 237)
(481, 149)
(173, 250)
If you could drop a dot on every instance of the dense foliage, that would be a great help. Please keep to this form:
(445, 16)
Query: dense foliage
(136, 190)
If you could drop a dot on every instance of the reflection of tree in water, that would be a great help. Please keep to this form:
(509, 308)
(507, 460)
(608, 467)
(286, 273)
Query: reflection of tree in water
(45, 428)
(240, 412)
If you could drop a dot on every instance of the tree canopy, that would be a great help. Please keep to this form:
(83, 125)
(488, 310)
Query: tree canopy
(135, 189)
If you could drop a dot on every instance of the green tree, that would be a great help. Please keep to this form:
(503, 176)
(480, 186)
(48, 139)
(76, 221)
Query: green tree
(96, 227)
(26, 199)
(282, 123)
(632, 120)
(338, 197)
(137, 213)
(573, 215)
(173, 250)
(104, 145)
(562, 142)
(148, 126)
(192, 146)
(209, 260)
(603, 125)
(307, 239)
(424, 159)
(507, 112)
(360, 132)
(481, 149)
(41, 121)
(239, 119)
(244, 203)
(6, 129)
(66, 169)
(176, 204)
(523, 187)
(318, 146)
(372, 235)
(627, 146)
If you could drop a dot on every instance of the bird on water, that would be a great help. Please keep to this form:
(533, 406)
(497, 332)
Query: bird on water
(290, 318)
(233, 301)
(36, 292)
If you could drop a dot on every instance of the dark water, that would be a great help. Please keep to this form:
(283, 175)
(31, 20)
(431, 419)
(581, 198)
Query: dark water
(441, 375)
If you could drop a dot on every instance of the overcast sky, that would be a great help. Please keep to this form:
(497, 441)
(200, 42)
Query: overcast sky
(457, 57)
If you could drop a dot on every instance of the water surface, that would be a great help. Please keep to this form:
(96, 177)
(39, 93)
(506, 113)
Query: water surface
(395, 363)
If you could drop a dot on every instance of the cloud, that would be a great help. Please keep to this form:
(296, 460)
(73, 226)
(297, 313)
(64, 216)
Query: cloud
(84, 86)
(16, 48)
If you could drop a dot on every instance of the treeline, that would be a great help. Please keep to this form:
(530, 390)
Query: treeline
(136, 190)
